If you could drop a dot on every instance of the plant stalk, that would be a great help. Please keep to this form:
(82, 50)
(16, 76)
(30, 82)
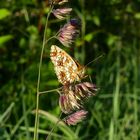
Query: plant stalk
(39, 75)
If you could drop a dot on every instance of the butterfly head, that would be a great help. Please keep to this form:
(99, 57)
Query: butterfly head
(81, 73)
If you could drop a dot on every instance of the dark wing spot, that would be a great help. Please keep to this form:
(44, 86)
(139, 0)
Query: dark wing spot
(59, 63)
(53, 54)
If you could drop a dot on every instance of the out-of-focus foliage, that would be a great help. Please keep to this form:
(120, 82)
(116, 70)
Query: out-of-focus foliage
(110, 27)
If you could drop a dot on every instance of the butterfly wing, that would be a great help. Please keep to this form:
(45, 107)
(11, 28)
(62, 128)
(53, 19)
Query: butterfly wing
(65, 67)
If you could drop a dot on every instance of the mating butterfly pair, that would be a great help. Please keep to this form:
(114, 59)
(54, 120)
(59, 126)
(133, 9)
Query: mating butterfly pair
(68, 72)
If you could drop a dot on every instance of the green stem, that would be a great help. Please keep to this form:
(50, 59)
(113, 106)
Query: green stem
(48, 91)
(117, 93)
(39, 73)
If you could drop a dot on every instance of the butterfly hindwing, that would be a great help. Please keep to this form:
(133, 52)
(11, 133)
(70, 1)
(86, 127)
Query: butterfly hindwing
(66, 69)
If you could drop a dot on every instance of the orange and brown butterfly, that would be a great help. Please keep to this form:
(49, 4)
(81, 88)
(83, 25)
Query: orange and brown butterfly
(66, 68)
(69, 71)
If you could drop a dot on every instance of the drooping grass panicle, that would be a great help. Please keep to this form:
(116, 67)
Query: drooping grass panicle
(69, 32)
(61, 13)
(68, 102)
(75, 117)
(59, 2)
(73, 95)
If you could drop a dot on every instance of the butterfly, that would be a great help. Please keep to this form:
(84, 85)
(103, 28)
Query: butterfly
(66, 68)
(68, 72)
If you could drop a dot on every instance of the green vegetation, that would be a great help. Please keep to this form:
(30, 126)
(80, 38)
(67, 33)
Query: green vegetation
(110, 27)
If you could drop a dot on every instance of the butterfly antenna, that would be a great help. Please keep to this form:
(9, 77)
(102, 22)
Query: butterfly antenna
(49, 135)
(100, 56)
(90, 79)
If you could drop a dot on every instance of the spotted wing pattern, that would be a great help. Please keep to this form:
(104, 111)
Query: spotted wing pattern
(66, 69)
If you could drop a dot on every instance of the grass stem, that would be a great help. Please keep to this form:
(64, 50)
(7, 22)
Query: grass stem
(39, 75)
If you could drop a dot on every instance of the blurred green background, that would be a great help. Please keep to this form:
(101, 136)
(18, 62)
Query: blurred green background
(110, 27)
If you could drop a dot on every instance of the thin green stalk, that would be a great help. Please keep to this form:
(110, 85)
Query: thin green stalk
(48, 91)
(116, 94)
(5, 114)
(39, 73)
(135, 65)
(111, 130)
(83, 29)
